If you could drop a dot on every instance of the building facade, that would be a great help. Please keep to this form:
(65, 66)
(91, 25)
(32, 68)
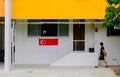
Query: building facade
(57, 33)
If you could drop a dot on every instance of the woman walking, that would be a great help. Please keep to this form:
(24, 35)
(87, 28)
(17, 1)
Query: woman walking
(102, 56)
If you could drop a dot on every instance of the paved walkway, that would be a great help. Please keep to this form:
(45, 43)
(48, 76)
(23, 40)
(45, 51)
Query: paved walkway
(45, 71)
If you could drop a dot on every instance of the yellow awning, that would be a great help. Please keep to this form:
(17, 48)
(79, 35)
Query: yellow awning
(58, 9)
(2, 14)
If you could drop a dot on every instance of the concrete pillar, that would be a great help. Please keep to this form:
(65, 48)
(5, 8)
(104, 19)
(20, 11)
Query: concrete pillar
(7, 63)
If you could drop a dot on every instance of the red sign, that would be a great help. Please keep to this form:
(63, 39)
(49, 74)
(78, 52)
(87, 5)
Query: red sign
(48, 42)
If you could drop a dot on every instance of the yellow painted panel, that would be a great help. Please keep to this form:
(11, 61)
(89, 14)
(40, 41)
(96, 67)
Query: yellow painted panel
(61, 9)
(2, 14)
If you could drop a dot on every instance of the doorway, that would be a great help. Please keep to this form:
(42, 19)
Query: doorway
(1, 42)
(78, 37)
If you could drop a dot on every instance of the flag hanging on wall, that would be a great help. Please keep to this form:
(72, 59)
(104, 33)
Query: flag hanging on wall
(48, 42)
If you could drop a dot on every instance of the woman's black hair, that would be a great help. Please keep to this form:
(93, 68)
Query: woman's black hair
(101, 43)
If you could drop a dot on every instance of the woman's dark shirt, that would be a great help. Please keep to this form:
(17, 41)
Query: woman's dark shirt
(101, 51)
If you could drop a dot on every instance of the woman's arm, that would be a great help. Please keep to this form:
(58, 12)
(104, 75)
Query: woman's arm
(105, 54)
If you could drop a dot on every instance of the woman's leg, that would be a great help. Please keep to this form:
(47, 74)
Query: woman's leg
(98, 64)
(106, 64)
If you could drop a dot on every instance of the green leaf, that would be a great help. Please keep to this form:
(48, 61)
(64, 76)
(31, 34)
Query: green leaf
(104, 24)
(113, 2)
(112, 16)
(118, 9)
(110, 2)
(109, 9)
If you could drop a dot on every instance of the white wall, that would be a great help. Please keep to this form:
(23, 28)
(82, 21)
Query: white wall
(89, 37)
(112, 46)
(111, 43)
(79, 58)
(29, 52)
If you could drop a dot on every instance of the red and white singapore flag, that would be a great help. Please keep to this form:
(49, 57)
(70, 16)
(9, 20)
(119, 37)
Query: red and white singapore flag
(48, 42)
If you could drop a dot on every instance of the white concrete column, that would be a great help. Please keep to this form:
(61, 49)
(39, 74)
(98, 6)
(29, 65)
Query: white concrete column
(7, 64)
